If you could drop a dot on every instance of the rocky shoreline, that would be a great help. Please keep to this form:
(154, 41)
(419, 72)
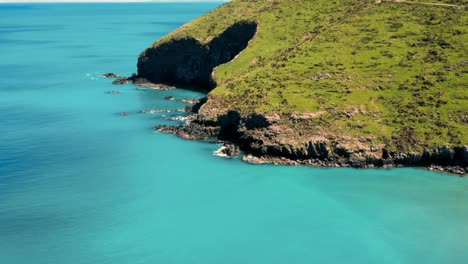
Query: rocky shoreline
(263, 139)
(257, 137)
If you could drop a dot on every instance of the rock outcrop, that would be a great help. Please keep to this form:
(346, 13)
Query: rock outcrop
(111, 75)
(228, 150)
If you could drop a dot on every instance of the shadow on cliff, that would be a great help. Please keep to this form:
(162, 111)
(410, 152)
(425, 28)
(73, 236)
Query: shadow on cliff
(188, 63)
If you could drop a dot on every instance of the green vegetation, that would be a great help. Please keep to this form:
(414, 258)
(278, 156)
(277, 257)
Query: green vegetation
(395, 73)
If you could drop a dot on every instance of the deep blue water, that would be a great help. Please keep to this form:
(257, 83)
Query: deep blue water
(80, 184)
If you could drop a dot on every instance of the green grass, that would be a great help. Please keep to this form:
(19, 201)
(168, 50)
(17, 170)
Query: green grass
(400, 69)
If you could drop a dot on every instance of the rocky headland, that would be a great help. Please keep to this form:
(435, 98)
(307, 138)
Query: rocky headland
(289, 82)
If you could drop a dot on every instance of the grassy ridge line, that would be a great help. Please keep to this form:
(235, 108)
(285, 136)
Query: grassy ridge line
(453, 3)
(395, 74)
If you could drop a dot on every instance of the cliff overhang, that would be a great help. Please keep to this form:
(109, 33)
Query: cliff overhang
(186, 62)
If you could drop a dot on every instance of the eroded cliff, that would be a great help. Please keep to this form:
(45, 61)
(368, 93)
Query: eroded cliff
(187, 62)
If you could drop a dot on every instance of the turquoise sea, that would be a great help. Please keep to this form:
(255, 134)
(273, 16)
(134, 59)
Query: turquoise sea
(81, 184)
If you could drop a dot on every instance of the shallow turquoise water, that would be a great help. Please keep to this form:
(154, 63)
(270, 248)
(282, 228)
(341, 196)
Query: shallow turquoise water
(80, 184)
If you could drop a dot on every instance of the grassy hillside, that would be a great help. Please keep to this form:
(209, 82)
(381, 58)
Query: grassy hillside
(393, 73)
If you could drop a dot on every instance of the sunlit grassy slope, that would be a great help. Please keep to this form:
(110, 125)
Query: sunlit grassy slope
(396, 72)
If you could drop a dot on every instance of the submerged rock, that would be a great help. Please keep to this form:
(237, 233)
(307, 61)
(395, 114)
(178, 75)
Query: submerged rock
(113, 92)
(450, 169)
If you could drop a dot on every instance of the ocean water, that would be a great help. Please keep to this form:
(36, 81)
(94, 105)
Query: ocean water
(82, 184)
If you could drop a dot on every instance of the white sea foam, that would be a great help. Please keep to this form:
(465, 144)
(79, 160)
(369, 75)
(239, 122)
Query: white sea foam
(220, 152)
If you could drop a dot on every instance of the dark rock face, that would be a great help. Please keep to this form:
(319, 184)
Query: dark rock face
(342, 151)
(255, 120)
(187, 62)
(461, 155)
(196, 106)
(228, 124)
(177, 62)
(442, 156)
(231, 42)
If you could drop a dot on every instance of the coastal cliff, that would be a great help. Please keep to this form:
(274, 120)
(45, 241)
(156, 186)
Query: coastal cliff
(341, 83)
